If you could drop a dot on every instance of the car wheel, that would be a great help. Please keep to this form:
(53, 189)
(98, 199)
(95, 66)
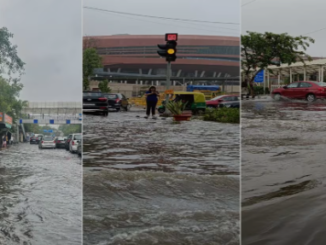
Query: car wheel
(311, 97)
(277, 96)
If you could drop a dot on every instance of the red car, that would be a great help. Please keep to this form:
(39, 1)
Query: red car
(221, 98)
(301, 90)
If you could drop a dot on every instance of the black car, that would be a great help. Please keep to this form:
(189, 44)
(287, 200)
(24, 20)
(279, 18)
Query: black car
(229, 104)
(118, 101)
(94, 101)
(60, 142)
(35, 139)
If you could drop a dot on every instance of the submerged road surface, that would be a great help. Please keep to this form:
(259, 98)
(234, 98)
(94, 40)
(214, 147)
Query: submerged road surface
(40, 196)
(283, 172)
(154, 182)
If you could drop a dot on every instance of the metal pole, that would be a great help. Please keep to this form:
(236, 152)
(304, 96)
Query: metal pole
(168, 81)
(264, 81)
(17, 135)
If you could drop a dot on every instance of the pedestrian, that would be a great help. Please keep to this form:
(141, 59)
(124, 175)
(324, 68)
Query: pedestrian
(4, 142)
(151, 101)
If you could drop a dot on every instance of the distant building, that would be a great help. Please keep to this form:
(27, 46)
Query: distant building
(197, 56)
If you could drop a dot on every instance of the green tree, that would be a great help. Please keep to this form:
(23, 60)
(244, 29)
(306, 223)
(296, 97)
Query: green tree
(70, 129)
(91, 60)
(104, 86)
(9, 98)
(259, 50)
(10, 63)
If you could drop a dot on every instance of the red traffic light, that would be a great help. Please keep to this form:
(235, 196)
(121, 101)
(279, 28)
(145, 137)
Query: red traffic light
(171, 37)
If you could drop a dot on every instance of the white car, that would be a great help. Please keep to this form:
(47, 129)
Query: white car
(73, 144)
(46, 142)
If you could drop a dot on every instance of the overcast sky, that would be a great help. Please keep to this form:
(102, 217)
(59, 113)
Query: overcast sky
(296, 17)
(48, 34)
(103, 23)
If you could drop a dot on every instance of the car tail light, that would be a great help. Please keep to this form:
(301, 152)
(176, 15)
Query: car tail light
(117, 100)
(103, 107)
(42, 141)
(54, 141)
(102, 99)
(73, 143)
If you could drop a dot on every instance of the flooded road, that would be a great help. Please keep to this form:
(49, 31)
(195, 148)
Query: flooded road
(40, 196)
(156, 182)
(283, 172)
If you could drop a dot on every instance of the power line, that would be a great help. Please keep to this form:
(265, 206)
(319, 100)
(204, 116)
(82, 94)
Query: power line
(248, 3)
(159, 17)
(315, 31)
(181, 26)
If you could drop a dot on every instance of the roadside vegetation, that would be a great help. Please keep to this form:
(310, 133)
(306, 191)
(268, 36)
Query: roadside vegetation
(224, 115)
(11, 70)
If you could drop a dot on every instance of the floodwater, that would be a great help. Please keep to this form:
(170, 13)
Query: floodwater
(152, 181)
(283, 172)
(40, 196)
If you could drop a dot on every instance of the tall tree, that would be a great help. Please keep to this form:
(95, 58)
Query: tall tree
(259, 50)
(11, 69)
(10, 63)
(91, 60)
(104, 86)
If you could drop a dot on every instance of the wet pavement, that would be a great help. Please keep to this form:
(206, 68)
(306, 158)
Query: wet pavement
(40, 196)
(152, 181)
(283, 172)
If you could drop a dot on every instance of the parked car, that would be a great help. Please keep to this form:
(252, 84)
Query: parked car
(67, 142)
(94, 101)
(118, 101)
(229, 104)
(213, 103)
(60, 142)
(73, 144)
(47, 142)
(307, 90)
(35, 139)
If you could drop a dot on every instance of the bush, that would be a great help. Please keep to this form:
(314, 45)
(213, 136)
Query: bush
(225, 115)
(260, 90)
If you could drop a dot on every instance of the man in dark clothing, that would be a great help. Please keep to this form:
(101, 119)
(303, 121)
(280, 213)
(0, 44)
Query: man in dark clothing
(151, 101)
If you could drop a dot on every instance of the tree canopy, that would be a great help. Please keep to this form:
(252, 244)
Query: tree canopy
(91, 60)
(70, 129)
(10, 63)
(10, 87)
(259, 50)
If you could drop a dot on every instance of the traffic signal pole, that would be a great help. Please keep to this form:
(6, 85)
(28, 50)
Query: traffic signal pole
(168, 80)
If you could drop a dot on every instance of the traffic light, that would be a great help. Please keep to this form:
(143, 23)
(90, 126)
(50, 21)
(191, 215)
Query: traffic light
(169, 50)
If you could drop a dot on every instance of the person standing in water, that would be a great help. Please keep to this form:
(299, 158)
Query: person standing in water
(151, 101)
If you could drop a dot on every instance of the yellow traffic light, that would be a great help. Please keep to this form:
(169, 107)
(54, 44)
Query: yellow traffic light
(171, 51)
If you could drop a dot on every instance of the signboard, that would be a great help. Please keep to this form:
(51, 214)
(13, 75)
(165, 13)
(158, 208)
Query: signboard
(171, 37)
(170, 91)
(47, 130)
(259, 78)
(8, 120)
(1, 117)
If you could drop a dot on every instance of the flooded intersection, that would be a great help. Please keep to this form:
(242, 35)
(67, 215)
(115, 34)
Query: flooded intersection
(283, 172)
(156, 182)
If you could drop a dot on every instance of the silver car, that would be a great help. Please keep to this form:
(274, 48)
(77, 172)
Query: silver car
(47, 142)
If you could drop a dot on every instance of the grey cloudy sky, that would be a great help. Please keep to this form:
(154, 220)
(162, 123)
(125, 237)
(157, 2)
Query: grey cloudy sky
(48, 34)
(296, 17)
(101, 23)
